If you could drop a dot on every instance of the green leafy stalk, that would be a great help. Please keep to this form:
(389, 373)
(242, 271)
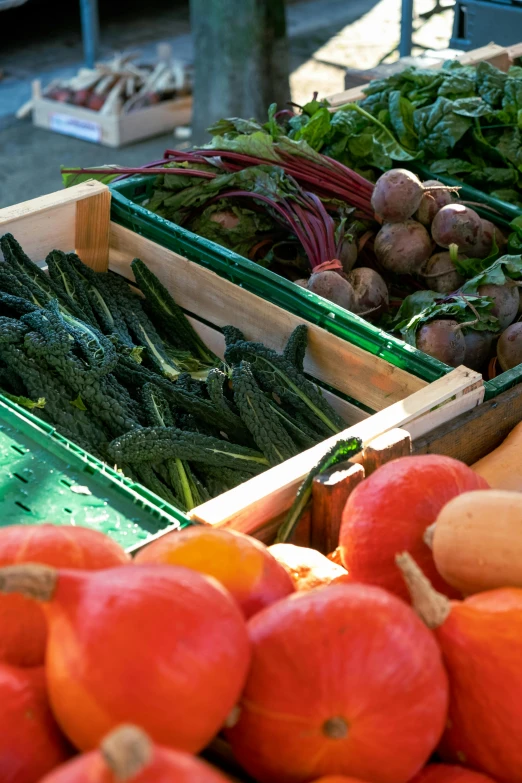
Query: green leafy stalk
(339, 452)
(25, 402)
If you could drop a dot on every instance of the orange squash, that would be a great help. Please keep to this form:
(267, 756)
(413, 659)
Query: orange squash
(477, 541)
(481, 643)
(243, 565)
(30, 741)
(445, 773)
(128, 754)
(338, 779)
(389, 513)
(308, 568)
(344, 681)
(161, 646)
(22, 622)
(502, 468)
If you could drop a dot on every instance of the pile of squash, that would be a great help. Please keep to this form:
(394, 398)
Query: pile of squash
(399, 663)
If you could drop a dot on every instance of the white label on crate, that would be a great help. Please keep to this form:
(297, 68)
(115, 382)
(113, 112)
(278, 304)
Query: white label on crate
(72, 126)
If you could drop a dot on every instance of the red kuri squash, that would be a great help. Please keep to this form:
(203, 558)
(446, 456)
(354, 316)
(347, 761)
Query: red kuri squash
(344, 680)
(127, 755)
(338, 779)
(243, 565)
(31, 743)
(481, 643)
(448, 773)
(389, 513)
(22, 622)
(162, 646)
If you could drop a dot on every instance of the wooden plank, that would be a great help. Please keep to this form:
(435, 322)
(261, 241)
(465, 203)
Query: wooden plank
(93, 217)
(474, 434)
(390, 445)
(48, 222)
(334, 361)
(499, 56)
(270, 494)
(330, 491)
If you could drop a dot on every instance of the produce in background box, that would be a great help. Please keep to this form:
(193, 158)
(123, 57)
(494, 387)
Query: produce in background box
(129, 380)
(480, 642)
(477, 541)
(243, 565)
(161, 646)
(128, 754)
(22, 621)
(389, 512)
(31, 743)
(344, 680)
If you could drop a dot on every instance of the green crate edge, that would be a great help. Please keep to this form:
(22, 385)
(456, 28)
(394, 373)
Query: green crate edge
(146, 506)
(249, 275)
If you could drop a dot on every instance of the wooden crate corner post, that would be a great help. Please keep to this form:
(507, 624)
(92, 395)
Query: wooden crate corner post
(92, 228)
(330, 491)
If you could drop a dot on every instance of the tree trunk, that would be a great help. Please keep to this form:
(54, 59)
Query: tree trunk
(240, 60)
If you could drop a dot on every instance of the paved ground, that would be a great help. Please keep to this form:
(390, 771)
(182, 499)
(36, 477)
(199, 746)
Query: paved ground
(326, 37)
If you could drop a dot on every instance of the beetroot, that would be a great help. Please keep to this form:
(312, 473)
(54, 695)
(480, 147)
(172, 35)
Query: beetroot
(371, 293)
(226, 218)
(443, 340)
(458, 225)
(397, 195)
(348, 254)
(403, 248)
(332, 286)
(506, 301)
(478, 347)
(509, 347)
(484, 245)
(432, 201)
(441, 275)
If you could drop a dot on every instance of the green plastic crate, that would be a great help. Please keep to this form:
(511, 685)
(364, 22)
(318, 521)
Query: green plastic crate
(46, 478)
(128, 196)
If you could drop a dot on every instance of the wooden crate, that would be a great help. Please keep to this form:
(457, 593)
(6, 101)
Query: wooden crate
(78, 218)
(499, 56)
(110, 130)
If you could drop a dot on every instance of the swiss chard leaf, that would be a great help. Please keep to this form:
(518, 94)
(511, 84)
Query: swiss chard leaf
(401, 118)
(471, 107)
(490, 83)
(439, 128)
(258, 144)
(233, 126)
(316, 130)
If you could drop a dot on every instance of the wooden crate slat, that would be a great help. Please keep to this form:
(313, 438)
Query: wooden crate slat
(474, 434)
(93, 217)
(48, 222)
(269, 494)
(339, 364)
